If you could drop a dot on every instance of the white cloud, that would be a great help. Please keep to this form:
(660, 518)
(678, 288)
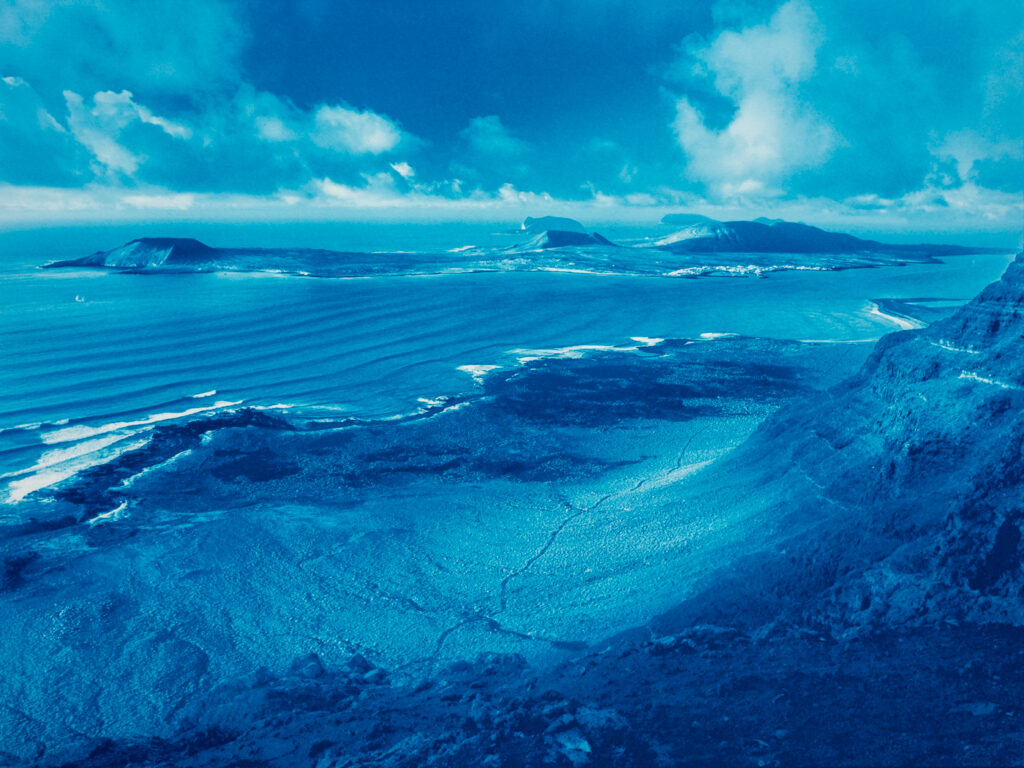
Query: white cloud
(35, 147)
(967, 147)
(772, 133)
(336, 128)
(100, 140)
(273, 128)
(489, 136)
(118, 110)
(970, 214)
(169, 46)
(507, 193)
(169, 201)
(99, 128)
(18, 99)
(348, 130)
(378, 190)
(404, 170)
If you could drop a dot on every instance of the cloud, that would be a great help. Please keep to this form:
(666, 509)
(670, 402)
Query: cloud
(273, 128)
(343, 129)
(34, 145)
(404, 170)
(773, 133)
(489, 155)
(334, 127)
(872, 109)
(253, 141)
(100, 127)
(487, 136)
(841, 100)
(155, 93)
(172, 201)
(969, 150)
(928, 215)
(158, 47)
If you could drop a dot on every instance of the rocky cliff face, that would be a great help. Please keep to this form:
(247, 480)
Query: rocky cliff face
(899, 492)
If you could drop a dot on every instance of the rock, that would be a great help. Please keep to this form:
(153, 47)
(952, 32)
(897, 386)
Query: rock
(358, 663)
(562, 723)
(308, 666)
(574, 746)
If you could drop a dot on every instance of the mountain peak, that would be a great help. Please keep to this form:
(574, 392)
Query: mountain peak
(179, 244)
(536, 226)
(145, 252)
(558, 238)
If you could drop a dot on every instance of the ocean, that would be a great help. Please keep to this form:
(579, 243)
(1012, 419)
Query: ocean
(95, 360)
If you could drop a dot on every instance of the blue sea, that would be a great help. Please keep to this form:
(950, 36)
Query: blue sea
(96, 360)
(448, 463)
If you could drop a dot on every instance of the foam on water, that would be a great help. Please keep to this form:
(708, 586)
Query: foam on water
(647, 341)
(60, 464)
(903, 323)
(478, 372)
(112, 515)
(82, 432)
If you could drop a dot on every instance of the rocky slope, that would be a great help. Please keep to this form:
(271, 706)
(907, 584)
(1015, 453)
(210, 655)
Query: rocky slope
(904, 499)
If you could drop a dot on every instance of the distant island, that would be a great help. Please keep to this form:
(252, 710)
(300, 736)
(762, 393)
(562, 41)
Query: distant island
(704, 235)
(535, 226)
(704, 247)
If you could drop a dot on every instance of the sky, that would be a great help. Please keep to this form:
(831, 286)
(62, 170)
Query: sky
(868, 116)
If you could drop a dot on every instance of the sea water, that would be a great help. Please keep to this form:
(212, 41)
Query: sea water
(93, 360)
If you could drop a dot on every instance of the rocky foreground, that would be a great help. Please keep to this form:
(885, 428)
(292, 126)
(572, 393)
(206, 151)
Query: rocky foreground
(876, 618)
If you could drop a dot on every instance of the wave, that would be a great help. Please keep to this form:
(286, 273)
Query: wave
(756, 270)
(81, 432)
(61, 464)
(80, 447)
(33, 426)
(74, 449)
(478, 372)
